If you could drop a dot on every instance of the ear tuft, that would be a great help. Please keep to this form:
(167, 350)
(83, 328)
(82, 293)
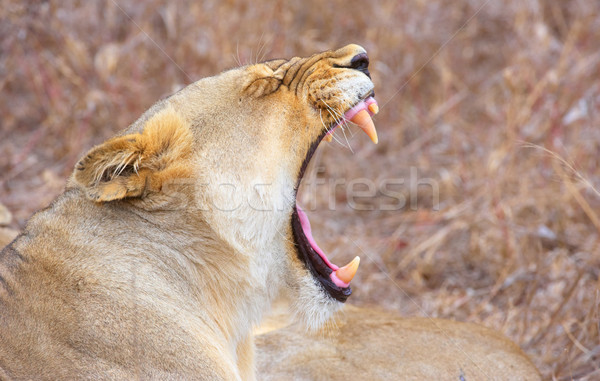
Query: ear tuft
(135, 164)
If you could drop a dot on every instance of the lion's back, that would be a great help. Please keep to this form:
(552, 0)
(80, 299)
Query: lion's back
(371, 344)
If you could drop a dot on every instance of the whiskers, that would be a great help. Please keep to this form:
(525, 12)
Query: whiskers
(260, 54)
(236, 57)
(338, 116)
(262, 51)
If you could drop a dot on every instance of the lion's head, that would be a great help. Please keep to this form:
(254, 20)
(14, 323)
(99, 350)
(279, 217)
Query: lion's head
(227, 154)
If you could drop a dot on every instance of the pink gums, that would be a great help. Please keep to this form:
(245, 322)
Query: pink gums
(305, 223)
(363, 105)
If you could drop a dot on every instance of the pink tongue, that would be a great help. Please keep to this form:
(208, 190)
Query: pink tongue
(308, 233)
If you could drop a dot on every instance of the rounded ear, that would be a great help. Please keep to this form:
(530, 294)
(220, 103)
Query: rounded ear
(262, 82)
(134, 164)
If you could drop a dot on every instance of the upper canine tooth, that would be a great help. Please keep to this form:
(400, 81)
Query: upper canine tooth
(346, 273)
(364, 121)
(328, 138)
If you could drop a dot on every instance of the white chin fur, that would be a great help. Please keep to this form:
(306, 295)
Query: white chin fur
(312, 306)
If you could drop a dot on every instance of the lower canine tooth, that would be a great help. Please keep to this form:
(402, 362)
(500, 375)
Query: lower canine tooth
(364, 121)
(328, 138)
(346, 273)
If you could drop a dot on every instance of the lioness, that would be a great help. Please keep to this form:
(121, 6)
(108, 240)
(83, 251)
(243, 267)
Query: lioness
(172, 238)
(369, 344)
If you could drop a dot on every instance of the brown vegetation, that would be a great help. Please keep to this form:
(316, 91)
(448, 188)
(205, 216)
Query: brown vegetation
(494, 103)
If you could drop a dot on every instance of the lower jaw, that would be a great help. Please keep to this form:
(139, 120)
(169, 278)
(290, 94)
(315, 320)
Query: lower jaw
(318, 269)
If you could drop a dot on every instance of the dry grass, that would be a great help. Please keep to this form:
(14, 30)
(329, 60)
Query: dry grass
(497, 103)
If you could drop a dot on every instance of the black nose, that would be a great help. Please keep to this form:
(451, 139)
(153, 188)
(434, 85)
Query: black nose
(361, 62)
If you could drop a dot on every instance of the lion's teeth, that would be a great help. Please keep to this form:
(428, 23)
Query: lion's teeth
(374, 108)
(364, 121)
(347, 272)
(328, 138)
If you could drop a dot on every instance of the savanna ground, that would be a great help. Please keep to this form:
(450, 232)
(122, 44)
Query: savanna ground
(480, 202)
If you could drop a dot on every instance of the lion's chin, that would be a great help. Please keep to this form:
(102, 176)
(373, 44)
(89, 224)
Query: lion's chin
(312, 306)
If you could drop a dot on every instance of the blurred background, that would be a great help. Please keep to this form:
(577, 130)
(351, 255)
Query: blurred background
(494, 103)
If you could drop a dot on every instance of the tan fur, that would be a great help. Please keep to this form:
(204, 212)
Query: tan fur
(172, 239)
(159, 153)
(368, 344)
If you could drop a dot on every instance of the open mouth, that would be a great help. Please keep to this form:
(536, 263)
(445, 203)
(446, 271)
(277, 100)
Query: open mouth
(335, 280)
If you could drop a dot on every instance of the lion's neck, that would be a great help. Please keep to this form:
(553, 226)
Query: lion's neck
(233, 280)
